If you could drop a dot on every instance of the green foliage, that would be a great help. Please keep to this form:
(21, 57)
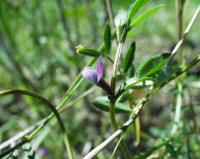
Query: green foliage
(87, 51)
(152, 66)
(144, 16)
(167, 73)
(40, 51)
(102, 103)
(129, 57)
(107, 38)
(135, 8)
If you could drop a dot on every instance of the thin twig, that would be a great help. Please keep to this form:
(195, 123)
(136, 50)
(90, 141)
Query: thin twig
(51, 107)
(179, 9)
(86, 93)
(109, 10)
(187, 30)
(17, 137)
(116, 147)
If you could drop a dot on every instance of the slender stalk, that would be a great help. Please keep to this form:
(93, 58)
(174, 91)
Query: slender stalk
(180, 8)
(116, 147)
(101, 146)
(112, 115)
(50, 106)
(112, 99)
(17, 137)
(117, 57)
(115, 127)
(187, 30)
(110, 11)
(70, 104)
(179, 104)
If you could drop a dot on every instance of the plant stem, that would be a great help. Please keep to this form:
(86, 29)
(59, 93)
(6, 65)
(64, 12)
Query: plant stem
(187, 30)
(116, 147)
(113, 100)
(179, 104)
(112, 115)
(115, 127)
(53, 109)
(110, 11)
(117, 57)
(180, 7)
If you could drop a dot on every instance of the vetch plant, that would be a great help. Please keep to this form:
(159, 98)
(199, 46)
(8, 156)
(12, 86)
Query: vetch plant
(120, 93)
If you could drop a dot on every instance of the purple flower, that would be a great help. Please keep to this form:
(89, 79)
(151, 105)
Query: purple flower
(42, 151)
(94, 75)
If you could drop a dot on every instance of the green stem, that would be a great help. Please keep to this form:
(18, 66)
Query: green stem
(110, 11)
(113, 85)
(115, 127)
(180, 7)
(112, 115)
(50, 106)
(178, 109)
(117, 57)
(116, 147)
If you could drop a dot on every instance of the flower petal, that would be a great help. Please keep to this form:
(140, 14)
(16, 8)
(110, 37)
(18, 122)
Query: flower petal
(90, 74)
(99, 68)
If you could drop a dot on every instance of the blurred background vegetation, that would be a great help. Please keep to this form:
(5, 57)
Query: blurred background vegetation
(37, 52)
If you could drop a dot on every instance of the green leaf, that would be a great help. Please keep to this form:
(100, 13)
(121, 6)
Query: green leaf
(107, 38)
(87, 51)
(131, 71)
(130, 55)
(103, 103)
(135, 8)
(152, 65)
(167, 73)
(144, 16)
(124, 97)
(141, 83)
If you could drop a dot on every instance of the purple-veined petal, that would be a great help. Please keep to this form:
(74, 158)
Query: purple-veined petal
(90, 74)
(99, 68)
